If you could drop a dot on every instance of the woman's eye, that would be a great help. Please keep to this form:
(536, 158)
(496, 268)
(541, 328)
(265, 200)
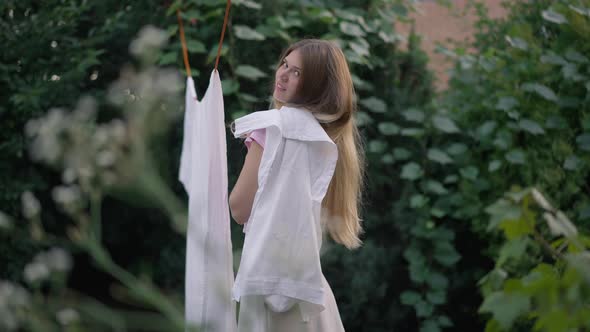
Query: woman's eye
(297, 73)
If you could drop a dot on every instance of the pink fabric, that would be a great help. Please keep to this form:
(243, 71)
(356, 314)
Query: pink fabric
(258, 135)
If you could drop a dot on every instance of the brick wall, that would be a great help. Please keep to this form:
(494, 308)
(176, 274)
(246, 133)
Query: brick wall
(436, 24)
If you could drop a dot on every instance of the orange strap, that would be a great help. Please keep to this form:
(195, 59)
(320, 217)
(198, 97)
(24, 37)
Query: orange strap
(183, 42)
(227, 7)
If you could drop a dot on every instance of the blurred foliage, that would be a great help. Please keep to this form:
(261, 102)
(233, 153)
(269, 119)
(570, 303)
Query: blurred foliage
(516, 114)
(83, 46)
(550, 293)
(522, 101)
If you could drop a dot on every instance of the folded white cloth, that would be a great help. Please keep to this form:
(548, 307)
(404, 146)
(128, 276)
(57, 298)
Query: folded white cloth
(281, 254)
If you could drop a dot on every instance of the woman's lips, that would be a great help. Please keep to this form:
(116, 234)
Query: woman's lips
(280, 87)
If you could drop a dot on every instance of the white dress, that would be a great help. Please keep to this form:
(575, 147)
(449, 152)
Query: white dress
(256, 316)
(281, 254)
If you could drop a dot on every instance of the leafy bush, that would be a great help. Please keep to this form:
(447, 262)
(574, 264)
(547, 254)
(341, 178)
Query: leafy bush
(550, 293)
(93, 38)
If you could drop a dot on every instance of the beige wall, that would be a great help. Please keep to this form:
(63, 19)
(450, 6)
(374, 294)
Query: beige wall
(436, 24)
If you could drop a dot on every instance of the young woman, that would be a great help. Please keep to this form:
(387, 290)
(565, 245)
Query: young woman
(302, 176)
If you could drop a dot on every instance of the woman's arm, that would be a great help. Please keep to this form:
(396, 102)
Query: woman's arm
(242, 195)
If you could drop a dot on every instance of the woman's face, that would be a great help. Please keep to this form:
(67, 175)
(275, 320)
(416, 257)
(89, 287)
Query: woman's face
(287, 77)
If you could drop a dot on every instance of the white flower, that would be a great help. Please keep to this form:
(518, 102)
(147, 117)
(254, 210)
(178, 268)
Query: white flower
(85, 109)
(12, 298)
(36, 271)
(168, 81)
(105, 158)
(150, 38)
(67, 316)
(30, 205)
(58, 259)
(66, 196)
(69, 175)
(117, 130)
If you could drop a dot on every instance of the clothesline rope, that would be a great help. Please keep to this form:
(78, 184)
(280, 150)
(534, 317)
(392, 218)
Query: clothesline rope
(183, 40)
(183, 43)
(227, 7)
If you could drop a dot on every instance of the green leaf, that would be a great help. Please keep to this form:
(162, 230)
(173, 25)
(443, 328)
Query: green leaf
(553, 59)
(248, 4)
(445, 254)
(553, 16)
(542, 90)
(195, 46)
(412, 132)
(451, 179)
(411, 171)
(494, 165)
(360, 47)
(437, 280)
(486, 128)
(401, 153)
(168, 58)
(363, 119)
(556, 320)
(575, 56)
(360, 84)
(515, 228)
(469, 172)
(512, 249)
(351, 29)
(248, 97)
(505, 308)
(229, 86)
(436, 187)
(377, 146)
(584, 212)
(572, 163)
(507, 103)
(436, 296)
(516, 156)
(502, 210)
(556, 122)
(374, 104)
(410, 297)
(438, 213)
(388, 128)
(413, 115)
(249, 72)
(419, 271)
(423, 309)
(517, 42)
(247, 33)
(439, 156)
(457, 149)
(583, 141)
(417, 201)
(580, 10)
(444, 124)
(444, 321)
(429, 325)
(387, 159)
(531, 126)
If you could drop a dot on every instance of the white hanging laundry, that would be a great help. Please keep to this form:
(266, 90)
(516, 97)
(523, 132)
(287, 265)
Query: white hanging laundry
(203, 172)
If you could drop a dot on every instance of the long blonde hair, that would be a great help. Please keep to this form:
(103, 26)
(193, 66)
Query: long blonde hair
(327, 91)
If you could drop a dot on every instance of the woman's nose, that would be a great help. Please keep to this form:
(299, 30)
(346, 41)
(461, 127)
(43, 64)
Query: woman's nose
(283, 75)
